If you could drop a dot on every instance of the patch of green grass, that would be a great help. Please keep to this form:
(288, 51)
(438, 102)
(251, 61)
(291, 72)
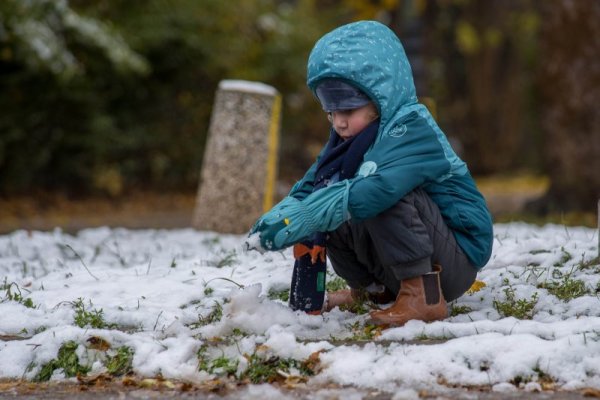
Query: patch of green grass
(283, 295)
(540, 251)
(565, 258)
(214, 316)
(359, 306)
(336, 283)
(362, 332)
(14, 293)
(260, 369)
(121, 362)
(513, 307)
(228, 259)
(92, 318)
(67, 360)
(221, 366)
(594, 262)
(267, 369)
(238, 332)
(208, 291)
(39, 329)
(538, 375)
(191, 303)
(426, 338)
(567, 288)
(456, 309)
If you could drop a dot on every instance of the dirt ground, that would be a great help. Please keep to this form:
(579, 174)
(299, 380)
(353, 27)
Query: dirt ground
(137, 211)
(130, 388)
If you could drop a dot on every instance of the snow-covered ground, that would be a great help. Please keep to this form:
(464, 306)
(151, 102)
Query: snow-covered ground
(191, 305)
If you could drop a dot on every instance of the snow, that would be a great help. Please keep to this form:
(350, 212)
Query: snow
(247, 87)
(158, 289)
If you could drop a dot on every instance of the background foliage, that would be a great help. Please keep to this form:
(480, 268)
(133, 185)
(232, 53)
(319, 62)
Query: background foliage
(113, 96)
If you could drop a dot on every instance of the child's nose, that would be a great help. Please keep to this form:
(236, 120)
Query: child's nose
(338, 119)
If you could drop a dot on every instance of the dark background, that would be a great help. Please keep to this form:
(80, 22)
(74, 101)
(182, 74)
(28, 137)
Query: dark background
(110, 99)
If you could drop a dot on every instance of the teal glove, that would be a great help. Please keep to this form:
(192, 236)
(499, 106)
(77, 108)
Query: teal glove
(321, 211)
(276, 210)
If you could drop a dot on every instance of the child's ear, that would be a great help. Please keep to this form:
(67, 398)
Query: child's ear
(375, 114)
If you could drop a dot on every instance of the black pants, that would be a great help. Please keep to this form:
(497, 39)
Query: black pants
(400, 243)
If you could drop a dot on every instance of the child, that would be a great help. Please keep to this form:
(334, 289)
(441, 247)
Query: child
(396, 209)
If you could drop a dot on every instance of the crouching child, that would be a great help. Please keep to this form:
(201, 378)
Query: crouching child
(388, 201)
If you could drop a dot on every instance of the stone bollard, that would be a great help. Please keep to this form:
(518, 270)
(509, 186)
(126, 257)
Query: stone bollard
(239, 168)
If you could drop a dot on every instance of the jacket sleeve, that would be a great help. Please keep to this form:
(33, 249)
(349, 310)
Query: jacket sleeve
(305, 186)
(407, 157)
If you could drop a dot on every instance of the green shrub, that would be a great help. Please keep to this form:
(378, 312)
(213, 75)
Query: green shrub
(513, 307)
(65, 359)
(121, 362)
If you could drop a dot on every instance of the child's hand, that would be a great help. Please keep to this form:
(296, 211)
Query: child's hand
(293, 220)
(290, 225)
(259, 226)
(269, 232)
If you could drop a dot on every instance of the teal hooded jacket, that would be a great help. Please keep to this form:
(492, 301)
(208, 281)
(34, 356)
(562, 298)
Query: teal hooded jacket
(410, 150)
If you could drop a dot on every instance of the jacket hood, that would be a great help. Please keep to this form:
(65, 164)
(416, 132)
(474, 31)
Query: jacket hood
(368, 55)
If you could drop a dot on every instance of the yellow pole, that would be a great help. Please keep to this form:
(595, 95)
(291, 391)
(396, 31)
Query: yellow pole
(272, 156)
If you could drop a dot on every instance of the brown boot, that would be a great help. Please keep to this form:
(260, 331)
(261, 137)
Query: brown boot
(419, 298)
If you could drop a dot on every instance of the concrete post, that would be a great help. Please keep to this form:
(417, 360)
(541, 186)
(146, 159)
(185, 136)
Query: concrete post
(239, 168)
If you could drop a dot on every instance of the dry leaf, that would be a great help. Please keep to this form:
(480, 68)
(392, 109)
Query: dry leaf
(149, 382)
(476, 287)
(129, 381)
(97, 343)
(591, 392)
(94, 379)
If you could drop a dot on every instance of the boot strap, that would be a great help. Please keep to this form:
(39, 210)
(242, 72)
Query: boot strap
(431, 285)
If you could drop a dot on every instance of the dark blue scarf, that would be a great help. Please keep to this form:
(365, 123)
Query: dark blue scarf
(344, 156)
(341, 160)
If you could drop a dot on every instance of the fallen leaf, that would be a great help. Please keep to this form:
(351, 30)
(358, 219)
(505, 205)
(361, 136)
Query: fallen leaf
(97, 343)
(148, 382)
(292, 381)
(313, 361)
(129, 381)
(94, 379)
(591, 392)
(548, 385)
(476, 287)
(168, 384)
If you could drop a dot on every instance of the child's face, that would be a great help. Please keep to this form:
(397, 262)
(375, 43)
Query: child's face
(349, 123)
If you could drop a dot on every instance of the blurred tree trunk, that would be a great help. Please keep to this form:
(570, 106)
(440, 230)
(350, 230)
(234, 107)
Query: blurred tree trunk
(479, 67)
(569, 82)
(493, 93)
